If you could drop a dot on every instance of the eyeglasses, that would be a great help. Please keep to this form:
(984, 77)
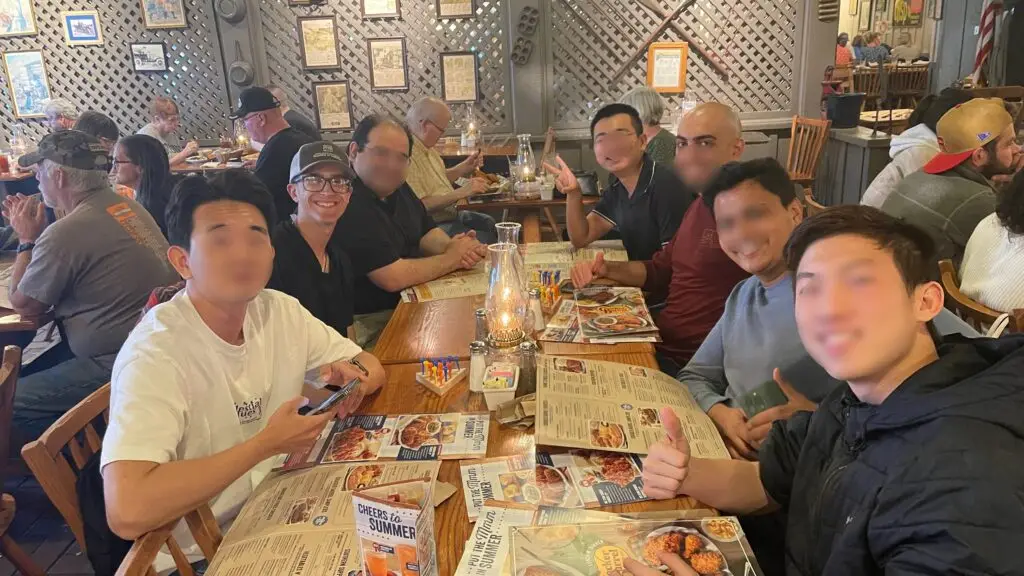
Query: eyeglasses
(314, 183)
(435, 125)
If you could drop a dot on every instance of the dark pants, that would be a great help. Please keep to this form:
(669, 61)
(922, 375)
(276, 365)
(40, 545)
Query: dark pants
(767, 537)
(198, 567)
(481, 223)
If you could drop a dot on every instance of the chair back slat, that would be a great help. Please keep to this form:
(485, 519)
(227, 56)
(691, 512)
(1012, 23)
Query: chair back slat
(974, 313)
(9, 370)
(204, 529)
(812, 206)
(807, 142)
(78, 454)
(93, 442)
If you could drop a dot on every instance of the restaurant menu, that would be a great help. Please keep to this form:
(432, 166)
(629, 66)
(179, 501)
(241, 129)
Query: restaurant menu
(364, 437)
(395, 524)
(564, 326)
(613, 311)
(713, 545)
(577, 479)
(455, 285)
(591, 404)
(302, 523)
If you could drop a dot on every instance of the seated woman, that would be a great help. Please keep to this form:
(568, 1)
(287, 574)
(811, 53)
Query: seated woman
(140, 163)
(992, 271)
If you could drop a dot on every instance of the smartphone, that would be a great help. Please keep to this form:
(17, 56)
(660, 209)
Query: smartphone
(333, 400)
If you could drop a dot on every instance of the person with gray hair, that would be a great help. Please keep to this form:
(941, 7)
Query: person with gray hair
(661, 144)
(428, 118)
(60, 114)
(95, 268)
(293, 117)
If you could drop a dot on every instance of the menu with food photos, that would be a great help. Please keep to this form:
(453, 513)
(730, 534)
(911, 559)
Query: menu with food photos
(596, 405)
(564, 326)
(302, 522)
(613, 312)
(367, 437)
(577, 479)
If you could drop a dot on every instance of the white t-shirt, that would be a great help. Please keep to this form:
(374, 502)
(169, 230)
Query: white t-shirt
(992, 271)
(179, 391)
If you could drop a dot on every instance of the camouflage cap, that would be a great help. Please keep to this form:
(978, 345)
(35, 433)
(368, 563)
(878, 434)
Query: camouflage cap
(70, 148)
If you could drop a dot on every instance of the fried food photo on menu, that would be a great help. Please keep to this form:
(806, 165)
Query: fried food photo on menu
(607, 435)
(695, 550)
(420, 431)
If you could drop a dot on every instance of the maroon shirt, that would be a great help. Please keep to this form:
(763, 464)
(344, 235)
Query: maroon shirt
(699, 277)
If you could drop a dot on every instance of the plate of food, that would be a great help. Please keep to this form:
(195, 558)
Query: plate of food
(615, 468)
(362, 477)
(694, 548)
(613, 323)
(420, 431)
(197, 159)
(607, 435)
(352, 444)
(595, 298)
(722, 529)
(554, 537)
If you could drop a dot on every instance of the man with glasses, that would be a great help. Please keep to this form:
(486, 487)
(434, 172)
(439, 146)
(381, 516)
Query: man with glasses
(306, 264)
(262, 116)
(428, 118)
(387, 232)
(166, 121)
(645, 201)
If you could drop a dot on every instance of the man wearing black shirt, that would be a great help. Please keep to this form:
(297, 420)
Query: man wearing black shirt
(645, 201)
(261, 114)
(293, 117)
(306, 265)
(392, 240)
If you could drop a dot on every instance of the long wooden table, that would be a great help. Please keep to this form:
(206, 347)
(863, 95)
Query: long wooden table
(531, 212)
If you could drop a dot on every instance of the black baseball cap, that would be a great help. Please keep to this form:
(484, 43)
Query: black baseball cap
(315, 154)
(70, 148)
(254, 99)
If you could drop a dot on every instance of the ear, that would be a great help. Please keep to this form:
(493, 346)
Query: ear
(352, 149)
(293, 191)
(796, 210)
(739, 148)
(929, 299)
(979, 157)
(179, 259)
(643, 140)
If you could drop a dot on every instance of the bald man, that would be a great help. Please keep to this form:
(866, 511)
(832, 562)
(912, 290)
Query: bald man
(428, 118)
(693, 270)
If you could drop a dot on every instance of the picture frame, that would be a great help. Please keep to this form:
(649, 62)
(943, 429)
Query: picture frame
(907, 13)
(370, 9)
(82, 27)
(158, 14)
(666, 66)
(27, 82)
(864, 19)
(460, 77)
(937, 9)
(149, 56)
(300, 2)
(852, 10)
(318, 42)
(332, 106)
(389, 64)
(455, 8)
(17, 18)
(882, 6)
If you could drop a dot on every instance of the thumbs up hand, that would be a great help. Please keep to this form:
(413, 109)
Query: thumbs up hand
(760, 425)
(668, 462)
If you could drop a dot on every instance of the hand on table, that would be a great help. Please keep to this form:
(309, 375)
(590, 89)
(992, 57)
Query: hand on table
(760, 425)
(732, 424)
(668, 462)
(288, 431)
(26, 215)
(675, 564)
(466, 249)
(565, 180)
(586, 272)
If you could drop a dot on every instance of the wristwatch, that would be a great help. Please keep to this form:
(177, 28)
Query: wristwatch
(357, 364)
(26, 246)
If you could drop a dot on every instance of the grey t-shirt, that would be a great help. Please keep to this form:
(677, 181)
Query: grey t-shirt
(151, 130)
(96, 267)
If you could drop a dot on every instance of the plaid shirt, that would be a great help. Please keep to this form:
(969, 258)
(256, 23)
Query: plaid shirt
(428, 177)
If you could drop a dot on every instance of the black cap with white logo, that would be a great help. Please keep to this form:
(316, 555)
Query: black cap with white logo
(254, 99)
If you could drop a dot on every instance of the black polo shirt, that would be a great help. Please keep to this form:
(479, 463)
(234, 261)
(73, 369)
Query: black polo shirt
(273, 166)
(375, 233)
(647, 220)
(328, 296)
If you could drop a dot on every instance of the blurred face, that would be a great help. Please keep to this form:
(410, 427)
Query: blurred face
(255, 124)
(617, 146)
(231, 257)
(49, 177)
(384, 162)
(169, 124)
(704, 141)
(753, 227)
(58, 122)
(322, 194)
(853, 311)
(433, 127)
(1004, 160)
(843, 39)
(123, 170)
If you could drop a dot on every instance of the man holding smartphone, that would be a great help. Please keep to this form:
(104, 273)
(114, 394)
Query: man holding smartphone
(206, 392)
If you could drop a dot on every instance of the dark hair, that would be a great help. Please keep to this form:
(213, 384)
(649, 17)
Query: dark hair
(912, 249)
(1010, 205)
(97, 125)
(857, 41)
(614, 110)
(361, 135)
(933, 106)
(765, 171)
(236, 184)
(157, 181)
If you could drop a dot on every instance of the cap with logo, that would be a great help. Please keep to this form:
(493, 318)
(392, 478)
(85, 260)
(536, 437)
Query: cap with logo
(254, 99)
(964, 129)
(70, 148)
(316, 154)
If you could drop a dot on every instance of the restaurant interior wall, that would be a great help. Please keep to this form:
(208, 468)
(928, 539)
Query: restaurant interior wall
(101, 77)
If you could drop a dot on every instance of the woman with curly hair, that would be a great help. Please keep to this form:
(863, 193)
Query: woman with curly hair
(992, 271)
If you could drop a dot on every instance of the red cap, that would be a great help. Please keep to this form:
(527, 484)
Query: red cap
(946, 161)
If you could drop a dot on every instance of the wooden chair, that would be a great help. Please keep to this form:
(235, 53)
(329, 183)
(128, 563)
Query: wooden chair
(867, 81)
(8, 382)
(811, 206)
(203, 526)
(979, 316)
(807, 142)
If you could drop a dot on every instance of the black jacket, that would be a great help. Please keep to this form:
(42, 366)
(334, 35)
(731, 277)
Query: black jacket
(929, 482)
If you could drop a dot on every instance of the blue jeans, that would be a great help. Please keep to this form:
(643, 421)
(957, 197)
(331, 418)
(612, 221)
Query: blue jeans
(481, 223)
(43, 397)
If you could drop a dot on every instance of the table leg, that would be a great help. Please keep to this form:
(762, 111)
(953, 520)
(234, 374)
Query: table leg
(531, 228)
(554, 224)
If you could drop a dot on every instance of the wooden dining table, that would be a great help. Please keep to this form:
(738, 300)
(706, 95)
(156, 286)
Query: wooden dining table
(528, 212)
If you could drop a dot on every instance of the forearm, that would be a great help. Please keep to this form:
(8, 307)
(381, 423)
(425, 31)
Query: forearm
(376, 377)
(24, 305)
(626, 273)
(732, 486)
(178, 158)
(432, 203)
(456, 172)
(576, 220)
(409, 272)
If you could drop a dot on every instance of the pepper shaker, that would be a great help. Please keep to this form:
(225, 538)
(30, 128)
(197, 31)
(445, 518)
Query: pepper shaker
(527, 369)
(481, 324)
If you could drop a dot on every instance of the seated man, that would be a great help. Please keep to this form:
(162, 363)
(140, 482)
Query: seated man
(386, 231)
(428, 118)
(206, 390)
(293, 117)
(166, 121)
(953, 192)
(95, 267)
(991, 272)
(645, 201)
(692, 270)
(914, 467)
(306, 264)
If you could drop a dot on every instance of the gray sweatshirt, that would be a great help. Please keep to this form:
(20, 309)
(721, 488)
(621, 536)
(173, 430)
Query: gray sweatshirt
(756, 334)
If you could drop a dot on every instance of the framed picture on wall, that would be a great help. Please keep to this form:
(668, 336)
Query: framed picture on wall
(82, 28)
(332, 105)
(460, 79)
(380, 8)
(882, 6)
(17, 18)
(864, 20)
(388, 64)
(149, 56)
(318, 42)
(666, 66)
(27, 82)
(852, 10)
(456, 8)
(163, 14)
(936, 9)
(907, 13)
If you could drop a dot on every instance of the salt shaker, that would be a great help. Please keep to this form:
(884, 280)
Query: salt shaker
(538, 311)
(481, 324)
(477, 365)
(527, 368)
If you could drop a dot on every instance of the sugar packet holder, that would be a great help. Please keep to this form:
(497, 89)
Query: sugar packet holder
(499, 385)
